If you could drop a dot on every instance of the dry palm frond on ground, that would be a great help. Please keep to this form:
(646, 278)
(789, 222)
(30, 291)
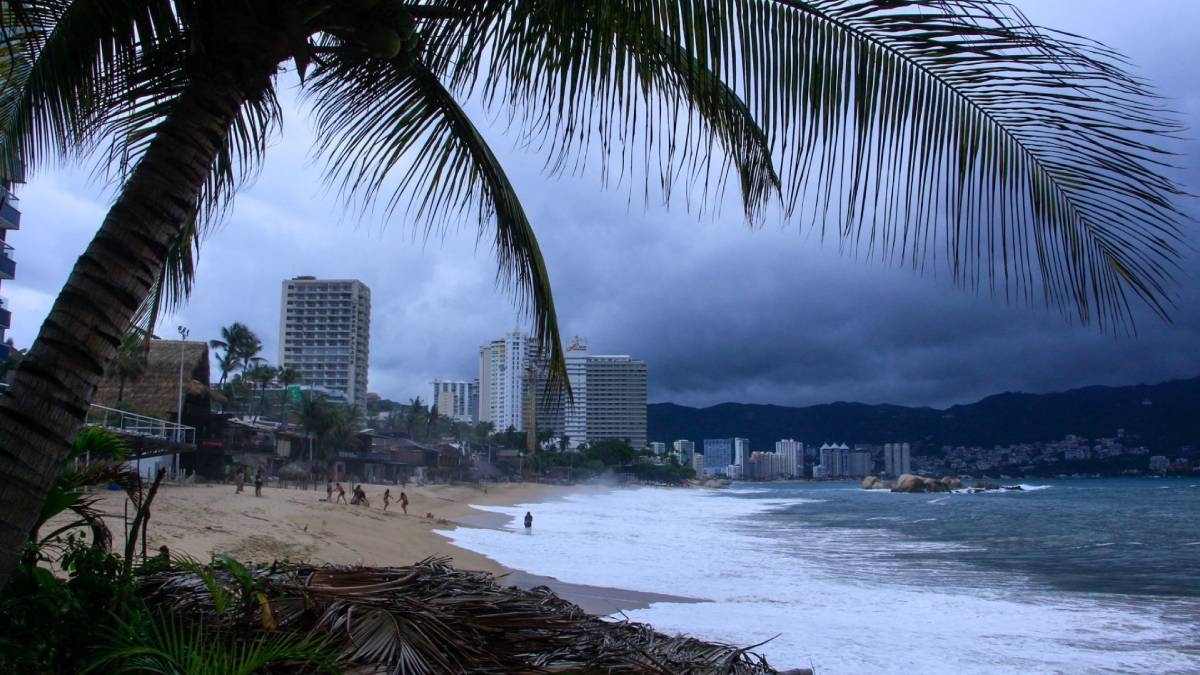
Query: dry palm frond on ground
(428, 618)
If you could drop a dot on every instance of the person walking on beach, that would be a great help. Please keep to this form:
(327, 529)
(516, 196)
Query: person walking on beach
(528, 521)
(341, 494)
(258, 483)
(387, 498)
(404, 503)
(329, 491)
(239, 480)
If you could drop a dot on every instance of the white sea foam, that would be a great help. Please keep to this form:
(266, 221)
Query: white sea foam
(837, 598)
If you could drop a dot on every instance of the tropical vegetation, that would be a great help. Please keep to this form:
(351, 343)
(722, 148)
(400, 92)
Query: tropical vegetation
(912, 131)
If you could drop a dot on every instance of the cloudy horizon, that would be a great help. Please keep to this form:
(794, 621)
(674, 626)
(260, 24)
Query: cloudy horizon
(720, 312)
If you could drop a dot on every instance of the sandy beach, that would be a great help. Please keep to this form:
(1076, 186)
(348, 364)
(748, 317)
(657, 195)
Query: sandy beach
(298, 524)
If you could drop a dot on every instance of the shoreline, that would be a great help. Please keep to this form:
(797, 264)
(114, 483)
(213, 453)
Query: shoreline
(298, 524)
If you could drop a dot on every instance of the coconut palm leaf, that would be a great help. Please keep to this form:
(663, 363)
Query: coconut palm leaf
(377, 117)
(164, 643)
(68, 62)
(921, 132)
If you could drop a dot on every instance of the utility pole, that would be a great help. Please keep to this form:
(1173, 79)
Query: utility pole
(183, 334)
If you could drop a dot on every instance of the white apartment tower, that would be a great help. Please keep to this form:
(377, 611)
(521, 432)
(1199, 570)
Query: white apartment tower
(325, 334)
(511, 373)
(456, 399)
(686, 450)
(502, 366)
(792, 452)
(609, 391)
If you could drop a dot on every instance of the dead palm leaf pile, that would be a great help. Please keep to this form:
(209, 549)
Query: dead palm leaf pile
(429, 618)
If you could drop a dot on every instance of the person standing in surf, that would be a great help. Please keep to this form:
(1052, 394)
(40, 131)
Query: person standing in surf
(528, 521)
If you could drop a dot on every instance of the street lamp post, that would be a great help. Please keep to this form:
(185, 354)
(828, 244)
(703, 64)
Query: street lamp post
(183, 334)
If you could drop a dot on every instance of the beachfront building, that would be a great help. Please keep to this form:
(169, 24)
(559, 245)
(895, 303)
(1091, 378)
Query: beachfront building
(718, 454)
(325, 334)
(721, 453)
(685, 450)
(659, 449)
(792, 452)
(897, 459)
(860, 463)
(768, 466)
(512, 378)
(610, 397)
(609, 392)
(835, 461)
(10, 219)
(454, 399)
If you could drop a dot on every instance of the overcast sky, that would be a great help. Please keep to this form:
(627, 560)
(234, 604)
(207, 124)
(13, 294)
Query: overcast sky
(719, 312)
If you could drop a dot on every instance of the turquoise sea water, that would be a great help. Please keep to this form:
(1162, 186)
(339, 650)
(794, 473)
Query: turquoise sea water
(1088, 576)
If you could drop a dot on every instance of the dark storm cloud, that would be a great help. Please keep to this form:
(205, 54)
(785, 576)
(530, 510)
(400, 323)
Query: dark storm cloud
(719, 312)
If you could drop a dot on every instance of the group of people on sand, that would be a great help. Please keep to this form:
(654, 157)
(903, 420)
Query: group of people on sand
(239, 480)
(359, 496)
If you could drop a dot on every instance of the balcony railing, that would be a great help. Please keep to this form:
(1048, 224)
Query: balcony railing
(10, 217)
(8, 266)
(133, 424)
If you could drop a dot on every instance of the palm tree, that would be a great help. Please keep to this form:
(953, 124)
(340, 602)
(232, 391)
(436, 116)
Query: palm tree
(241, 346)
(260, 374)
(416, 419)
(130, 361)
(287, 376)
(1028, 158)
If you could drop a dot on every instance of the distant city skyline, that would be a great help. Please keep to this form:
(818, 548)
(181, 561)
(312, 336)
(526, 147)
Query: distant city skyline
(795, 323)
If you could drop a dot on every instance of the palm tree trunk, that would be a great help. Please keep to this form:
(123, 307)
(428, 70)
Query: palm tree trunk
(48, 400)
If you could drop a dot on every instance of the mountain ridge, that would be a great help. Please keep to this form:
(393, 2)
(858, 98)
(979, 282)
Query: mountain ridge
(1165, 416)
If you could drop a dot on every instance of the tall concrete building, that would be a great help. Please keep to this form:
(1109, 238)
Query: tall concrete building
(609, 397)
(835, 461)
(504, 367)
(456, 399)
(897, 459)
(792, 452)
(718, 455)
(609, 391)
(325, 333)
(721, 454)
(10, 219)
(686, 450)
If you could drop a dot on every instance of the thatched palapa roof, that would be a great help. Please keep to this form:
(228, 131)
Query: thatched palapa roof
(156, 391)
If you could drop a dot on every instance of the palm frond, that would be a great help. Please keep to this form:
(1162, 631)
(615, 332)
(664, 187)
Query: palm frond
(923, 132)
(576, 74)
(432, 618)
(64, 62)
(376, 117)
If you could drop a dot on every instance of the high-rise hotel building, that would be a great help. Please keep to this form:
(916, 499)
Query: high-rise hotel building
(609, 391)
(458, 400)
(325, 334)
(610, 397)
